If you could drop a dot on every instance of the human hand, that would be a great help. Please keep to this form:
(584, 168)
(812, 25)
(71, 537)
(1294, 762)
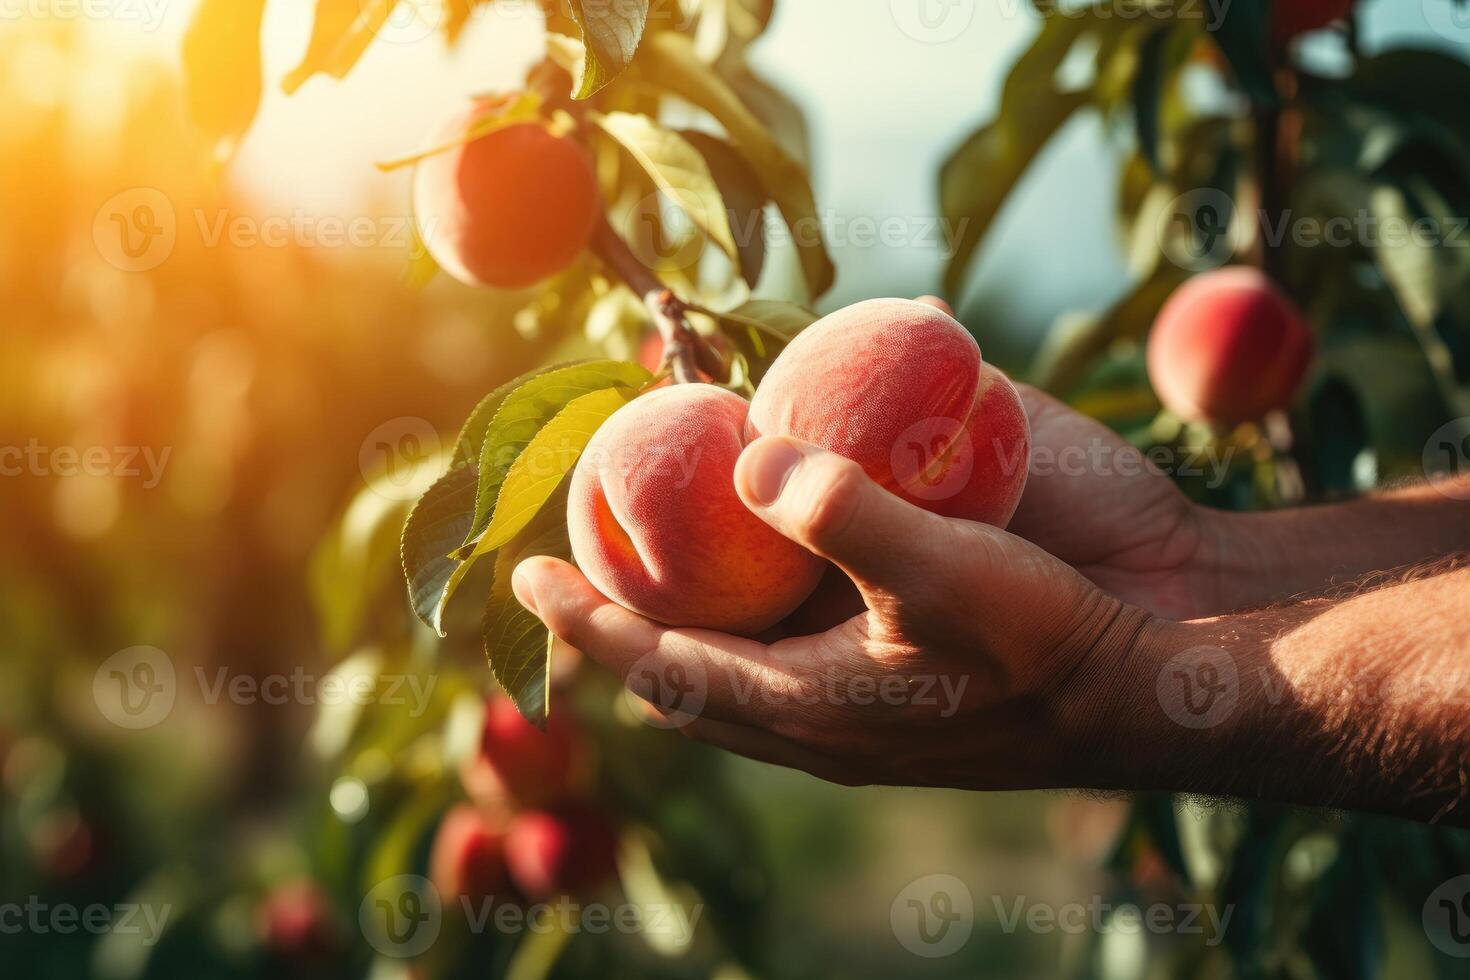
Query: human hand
(1095, 502)
(980, 662)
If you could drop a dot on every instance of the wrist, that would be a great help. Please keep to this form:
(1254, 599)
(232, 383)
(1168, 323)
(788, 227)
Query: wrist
(1182, 708)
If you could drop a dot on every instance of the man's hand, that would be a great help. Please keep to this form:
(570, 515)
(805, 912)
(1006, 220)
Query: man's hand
(981, 662)
(1098, 504)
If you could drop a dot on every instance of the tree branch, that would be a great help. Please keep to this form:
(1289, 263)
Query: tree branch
(683, 349)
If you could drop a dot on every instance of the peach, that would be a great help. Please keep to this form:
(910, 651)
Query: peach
(898, 386)
(519, 760)
(508, 209)
(468, 859)
(295, 922)
(564, 851)
(1228, 347)
(1292, 17)
(656, 525)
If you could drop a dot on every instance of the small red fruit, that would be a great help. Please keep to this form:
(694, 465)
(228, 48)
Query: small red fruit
(1228, 347)
(1292, 17)
(468, 860)
(296, 922)
(563, 851)
(533, 766)
(508, 209)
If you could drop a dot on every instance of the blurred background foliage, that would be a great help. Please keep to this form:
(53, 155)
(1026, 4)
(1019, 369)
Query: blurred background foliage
(269, 545)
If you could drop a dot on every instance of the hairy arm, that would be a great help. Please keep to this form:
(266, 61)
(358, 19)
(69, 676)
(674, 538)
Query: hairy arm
(1267, 556)
(1359, 701)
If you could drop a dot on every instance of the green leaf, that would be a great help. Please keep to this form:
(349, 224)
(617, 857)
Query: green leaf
(221, 58)
(1074, 345)
(436, 526)
(517, 646)
(539, 470)
(610, 35)
(525, 410)
(677, 169)
(979, 176)
(669, 62)
(761, 328)
(745, 200)
(1161, 56)
(471, 438)
(342, 31)
(1243, 33)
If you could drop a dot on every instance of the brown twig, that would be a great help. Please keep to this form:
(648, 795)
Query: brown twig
(684, 352)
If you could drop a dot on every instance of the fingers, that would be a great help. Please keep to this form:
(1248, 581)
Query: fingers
(763, 746)
(829, 505)
(689, 672)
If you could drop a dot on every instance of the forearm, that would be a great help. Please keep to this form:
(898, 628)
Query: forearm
(1361, 703)
(1264, 557)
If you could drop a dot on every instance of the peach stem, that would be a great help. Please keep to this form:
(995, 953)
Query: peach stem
(684, 351)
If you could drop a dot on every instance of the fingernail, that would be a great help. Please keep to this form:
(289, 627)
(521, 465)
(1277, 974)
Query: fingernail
(768, 470)
(520, 584)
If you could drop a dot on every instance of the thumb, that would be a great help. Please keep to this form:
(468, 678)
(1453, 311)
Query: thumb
(826, 503)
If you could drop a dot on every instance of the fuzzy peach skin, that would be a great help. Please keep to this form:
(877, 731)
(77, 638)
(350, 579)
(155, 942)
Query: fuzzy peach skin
(508, 209)
(1228, 347)
(656, 525)
(899, 387)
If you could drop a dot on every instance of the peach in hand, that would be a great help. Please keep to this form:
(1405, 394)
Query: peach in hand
(899, 387)
(656, 525)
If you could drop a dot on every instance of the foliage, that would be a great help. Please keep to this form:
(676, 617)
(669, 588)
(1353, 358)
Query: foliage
(1230, 148)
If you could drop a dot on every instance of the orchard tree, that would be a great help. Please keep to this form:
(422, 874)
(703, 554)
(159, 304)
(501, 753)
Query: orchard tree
(1299, 303)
